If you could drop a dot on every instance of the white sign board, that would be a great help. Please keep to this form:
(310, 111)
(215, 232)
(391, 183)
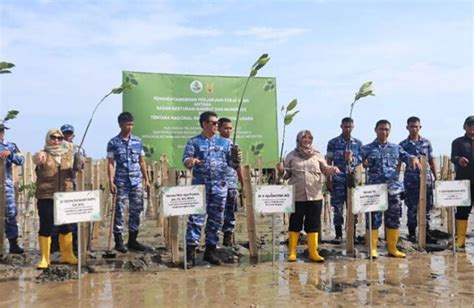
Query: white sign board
(77, 206)
(274, 199)
(452, 193)
(369, 198)
(183, 200)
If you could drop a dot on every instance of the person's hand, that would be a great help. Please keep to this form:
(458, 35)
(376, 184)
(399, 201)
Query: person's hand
(192, 161)
(415, 163)
(5, 153)
(365, 163)
(39, 158)
(147, 188)
(239, 154)
(463, 161)
(329, 185)
(113, 188)
(334, 171)
(348, 156)
(280, 167)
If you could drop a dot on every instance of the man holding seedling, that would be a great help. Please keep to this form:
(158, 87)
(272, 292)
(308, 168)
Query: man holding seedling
(417, 145)
(382, 158)
(343, 151)
(208, 155)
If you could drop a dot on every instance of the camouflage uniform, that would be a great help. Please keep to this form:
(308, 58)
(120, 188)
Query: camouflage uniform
(11, 228)
(215, 155)
(411, 179)
(382, 169)
(231, 200)
(336, 151)
(128, 179)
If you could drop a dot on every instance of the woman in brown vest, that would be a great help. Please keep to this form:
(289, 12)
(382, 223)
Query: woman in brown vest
(304, 167)
(54, 173)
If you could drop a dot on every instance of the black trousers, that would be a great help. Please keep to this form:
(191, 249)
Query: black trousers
(462, 212)
(46, 216)
(307, 213)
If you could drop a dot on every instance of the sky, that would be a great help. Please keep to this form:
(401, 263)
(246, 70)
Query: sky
(69, 54)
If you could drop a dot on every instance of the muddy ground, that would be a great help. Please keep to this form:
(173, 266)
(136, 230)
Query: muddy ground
(436, 277)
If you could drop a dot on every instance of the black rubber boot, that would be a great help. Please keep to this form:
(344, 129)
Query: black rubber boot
(429, 238)
(210, 255)
(14, 248)
(227, 241)
(190, 256)
(133, 244)
(412, 234)
(338, 238)
(119, 246)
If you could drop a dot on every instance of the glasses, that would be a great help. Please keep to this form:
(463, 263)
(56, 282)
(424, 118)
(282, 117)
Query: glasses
(213, 122)
(59, 138)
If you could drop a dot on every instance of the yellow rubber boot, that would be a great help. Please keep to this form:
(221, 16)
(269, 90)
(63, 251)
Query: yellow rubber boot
(461, 230)
(392, 239)
(65, 247)
(293, 238)
(375, 240)
(312, 239)
(45, 245)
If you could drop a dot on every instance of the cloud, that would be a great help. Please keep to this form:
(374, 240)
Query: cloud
(266, 33)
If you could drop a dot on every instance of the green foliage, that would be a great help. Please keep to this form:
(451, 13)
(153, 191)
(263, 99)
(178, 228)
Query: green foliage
(287, 119)
(259, 64)
(5, 67)
(256, 148)
(149, 151)
(365, 90)
(11, 115)
(128, 83)
(30, 190)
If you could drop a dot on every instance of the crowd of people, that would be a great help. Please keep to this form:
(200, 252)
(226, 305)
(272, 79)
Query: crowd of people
(211, 158)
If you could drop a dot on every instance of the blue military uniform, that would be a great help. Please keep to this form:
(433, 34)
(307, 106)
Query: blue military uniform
(411, 179)
(128, 179)
(215, 155)
(11, 228)
(382, 169)
(231, 200)
(336, 151)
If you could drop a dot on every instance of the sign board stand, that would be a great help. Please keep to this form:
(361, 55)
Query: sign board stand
(182, 201)
(271, 199)
(370, 236)
(77, 207)
(452, 194)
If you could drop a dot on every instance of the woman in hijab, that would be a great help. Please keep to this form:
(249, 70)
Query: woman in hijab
(304, 167)
(54, 173)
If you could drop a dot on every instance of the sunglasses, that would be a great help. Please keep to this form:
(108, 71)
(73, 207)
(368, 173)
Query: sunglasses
(59, 138)
(213, 122)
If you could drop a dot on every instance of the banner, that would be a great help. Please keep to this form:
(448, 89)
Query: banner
(274, 199)
(369, 198)
(183, 200)
(166, 108)
(78, 206)
(452, 193)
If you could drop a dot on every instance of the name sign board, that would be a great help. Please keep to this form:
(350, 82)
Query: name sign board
(369, 198)
(77, 206)
(274, 199)
(183, 200)
(452, 193)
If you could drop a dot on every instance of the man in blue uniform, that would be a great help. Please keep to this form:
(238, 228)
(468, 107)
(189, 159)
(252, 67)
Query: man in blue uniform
(462, 156)
(382, 158)
(339, 151)
(11, 154)
(126, 180)
(225, 131)
(209, 156)
(417, 145)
